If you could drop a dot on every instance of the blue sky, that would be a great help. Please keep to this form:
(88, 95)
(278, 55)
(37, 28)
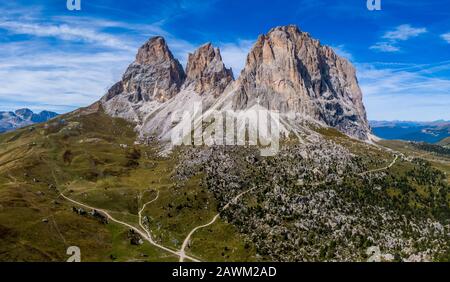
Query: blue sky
(55, 59)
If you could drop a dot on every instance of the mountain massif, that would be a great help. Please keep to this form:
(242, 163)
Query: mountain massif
(286, 71)
(22, 117)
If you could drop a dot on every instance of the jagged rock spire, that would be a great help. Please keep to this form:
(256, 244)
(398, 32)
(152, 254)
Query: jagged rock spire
(206, 72)
(286, 70)
(154, 75)
(154, 51)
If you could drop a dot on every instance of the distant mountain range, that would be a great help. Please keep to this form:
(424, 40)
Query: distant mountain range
(430, 132)
(22, 117)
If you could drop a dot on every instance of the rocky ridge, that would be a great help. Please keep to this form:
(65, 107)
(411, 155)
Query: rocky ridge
(206, 72)
(286, 71)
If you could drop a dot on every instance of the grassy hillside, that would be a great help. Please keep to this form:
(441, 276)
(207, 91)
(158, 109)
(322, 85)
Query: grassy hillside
(437, 160)
(445, 142)
(92, 158)
(287, 212)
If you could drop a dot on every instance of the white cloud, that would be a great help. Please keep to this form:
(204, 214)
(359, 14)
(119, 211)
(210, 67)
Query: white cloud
(341, 51)
(404, 32)
(234, 55)
(446, 37)
(400, 33)
(385, 47)
(406, 93)
(65, 32)
(180, 48)
(58, 81)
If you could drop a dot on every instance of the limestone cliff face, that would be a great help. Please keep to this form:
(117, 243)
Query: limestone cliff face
(289, 71)
(286, 70)
(206, 73)
(154, 75)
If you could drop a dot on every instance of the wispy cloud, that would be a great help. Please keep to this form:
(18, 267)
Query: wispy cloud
(385, 47)
(67, 62)
(412, 92)
(180, 48)
(56, 60)
(343, 52)
(404, 32)
(65, 32)
(446, 37)
(57, 80)
(234, 55)
(400, 33)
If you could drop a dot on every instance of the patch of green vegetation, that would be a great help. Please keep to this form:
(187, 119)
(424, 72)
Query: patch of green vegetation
(36, 228)
(92, 158)
(124, 251)
(330, 132)
(438, 161)
(432, 148)
(220, 242)
(180, 209)
(412, 188)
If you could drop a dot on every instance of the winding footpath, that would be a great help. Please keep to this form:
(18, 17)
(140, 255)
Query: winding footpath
(137, 230)
(188, 238)
(142, 210)
(381, 169)
(182, 253)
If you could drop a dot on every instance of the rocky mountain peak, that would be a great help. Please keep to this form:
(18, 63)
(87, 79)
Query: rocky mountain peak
(155, 75)
(286, 70)
(206, 72)
(289, 71)
(24, 113)
(154, 51)
(291, 28)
